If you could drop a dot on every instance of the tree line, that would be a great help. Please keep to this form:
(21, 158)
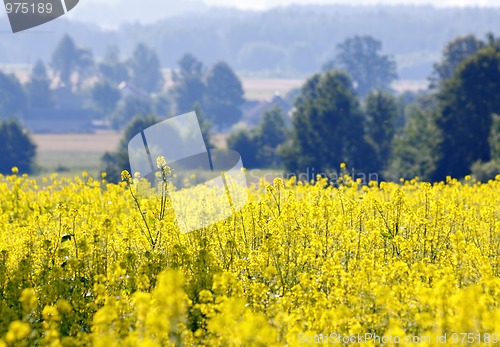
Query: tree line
(254, 42)
(452, 129)
(347, 113)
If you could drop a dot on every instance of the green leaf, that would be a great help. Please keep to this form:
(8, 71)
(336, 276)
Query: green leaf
(66, 237)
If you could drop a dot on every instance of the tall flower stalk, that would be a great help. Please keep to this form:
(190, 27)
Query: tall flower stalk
(163, 176)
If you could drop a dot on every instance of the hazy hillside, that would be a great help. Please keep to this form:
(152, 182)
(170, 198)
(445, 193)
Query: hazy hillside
(293, 41)
(114, 13)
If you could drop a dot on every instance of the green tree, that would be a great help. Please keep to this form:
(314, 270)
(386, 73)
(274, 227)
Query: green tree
(269, 135)
(360, 57)
(128, 108)
(414, 150)
(494, 138)
(64, 59)
(16, 147)
(455, 52)
(189, 66)
(105, 95)
(146, 70)
(272, 130)
(85, 64)
(112, 67)
(189, 88)
(67, 59)
(223, 96)
(162, 104)
(484, 171)
(404, 100)
(328, 127)
(243, 141)
(13, 99)
(381, 114)
(38, 88)
(259, 147)
(39, 70)
(115, 162)
(468, 101)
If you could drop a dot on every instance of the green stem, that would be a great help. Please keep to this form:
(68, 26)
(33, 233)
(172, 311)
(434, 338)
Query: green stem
(152, 240)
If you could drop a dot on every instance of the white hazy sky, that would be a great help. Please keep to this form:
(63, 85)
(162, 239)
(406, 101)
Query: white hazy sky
(262, 4)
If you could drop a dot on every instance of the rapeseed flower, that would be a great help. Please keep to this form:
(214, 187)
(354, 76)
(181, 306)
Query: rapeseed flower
(86, 262)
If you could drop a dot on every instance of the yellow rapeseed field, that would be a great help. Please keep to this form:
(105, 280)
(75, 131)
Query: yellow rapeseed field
(88, 263)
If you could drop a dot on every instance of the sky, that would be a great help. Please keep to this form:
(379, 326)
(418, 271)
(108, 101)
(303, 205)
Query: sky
(262, 4)
(111, 13)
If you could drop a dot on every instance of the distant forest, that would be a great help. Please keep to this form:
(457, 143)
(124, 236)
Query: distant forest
(293, 41)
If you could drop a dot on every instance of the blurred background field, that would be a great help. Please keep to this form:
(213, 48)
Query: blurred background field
(70, 154)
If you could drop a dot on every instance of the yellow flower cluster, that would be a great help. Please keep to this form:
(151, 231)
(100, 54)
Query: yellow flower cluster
(84, 262)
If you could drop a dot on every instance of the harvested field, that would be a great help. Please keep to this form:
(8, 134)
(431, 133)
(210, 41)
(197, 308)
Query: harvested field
(101, 141)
